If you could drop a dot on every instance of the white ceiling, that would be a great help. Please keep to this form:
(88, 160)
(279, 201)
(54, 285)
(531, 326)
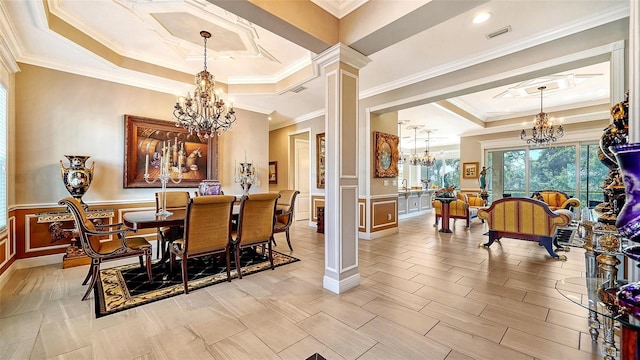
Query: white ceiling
(166, 34)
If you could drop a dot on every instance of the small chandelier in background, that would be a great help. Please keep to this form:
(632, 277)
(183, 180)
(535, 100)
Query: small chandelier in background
(543, 131)
(206, 112)
(415, 159)
(428, 159)
(402, 158)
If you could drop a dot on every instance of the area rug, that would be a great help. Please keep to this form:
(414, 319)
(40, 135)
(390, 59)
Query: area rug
(125, 287)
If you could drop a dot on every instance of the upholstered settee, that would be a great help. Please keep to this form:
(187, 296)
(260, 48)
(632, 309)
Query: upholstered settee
(464, 207)
(525, 219)
(556, 199)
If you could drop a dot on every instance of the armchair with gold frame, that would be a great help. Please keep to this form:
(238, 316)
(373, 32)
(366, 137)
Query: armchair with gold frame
(464, 207)
(91, 237)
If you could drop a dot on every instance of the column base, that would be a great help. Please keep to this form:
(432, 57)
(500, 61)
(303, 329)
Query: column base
(341, 286)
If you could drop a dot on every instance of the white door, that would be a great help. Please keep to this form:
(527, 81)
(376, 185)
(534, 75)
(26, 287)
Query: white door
(301, 178)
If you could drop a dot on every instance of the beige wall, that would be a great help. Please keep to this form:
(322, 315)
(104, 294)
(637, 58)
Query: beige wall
(59, 113)
(279, 151)
(388, 124)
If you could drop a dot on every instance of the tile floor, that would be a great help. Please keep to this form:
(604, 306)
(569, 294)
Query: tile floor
(423, 295)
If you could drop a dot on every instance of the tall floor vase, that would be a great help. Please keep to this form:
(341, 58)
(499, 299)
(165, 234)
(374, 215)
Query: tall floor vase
(77, 177)
(628, 221)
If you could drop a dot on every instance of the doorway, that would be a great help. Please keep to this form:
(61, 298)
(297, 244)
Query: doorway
(301, 175)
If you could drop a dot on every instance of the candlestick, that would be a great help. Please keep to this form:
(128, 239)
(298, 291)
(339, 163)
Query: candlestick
(164, 176)
(146, 164)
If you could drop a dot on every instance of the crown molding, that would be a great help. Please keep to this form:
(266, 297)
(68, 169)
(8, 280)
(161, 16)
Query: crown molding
(554, 34)
(343, 53)
(339, 8)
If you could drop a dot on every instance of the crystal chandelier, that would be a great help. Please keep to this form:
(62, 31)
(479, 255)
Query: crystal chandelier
(415, 159)
(401, 156)
(206, 112)
(543, 131)
(427, 159)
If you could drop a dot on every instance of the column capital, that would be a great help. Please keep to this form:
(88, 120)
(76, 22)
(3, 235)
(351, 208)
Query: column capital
(343, 53)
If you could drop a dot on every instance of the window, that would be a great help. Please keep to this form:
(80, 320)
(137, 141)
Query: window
(3, 157)
(572, 169)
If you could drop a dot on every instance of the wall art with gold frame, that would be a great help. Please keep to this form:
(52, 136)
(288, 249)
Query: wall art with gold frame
(145, 136)
(470, 170)
(320, 160)
(386, 155)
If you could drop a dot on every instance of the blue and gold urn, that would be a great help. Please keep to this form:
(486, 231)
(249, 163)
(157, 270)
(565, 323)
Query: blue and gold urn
(77, 177)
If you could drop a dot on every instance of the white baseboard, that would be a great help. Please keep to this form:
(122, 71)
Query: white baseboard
(377, 234)
(341, 286)
(38, 261)
(6, 275)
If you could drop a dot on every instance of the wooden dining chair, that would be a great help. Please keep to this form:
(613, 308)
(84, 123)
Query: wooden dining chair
(207, 230)
(284, 213)
(255, 224)
(91, 236)
(175, 200)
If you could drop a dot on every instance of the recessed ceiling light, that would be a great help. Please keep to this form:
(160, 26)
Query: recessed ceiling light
(269, 118)
(482, 17)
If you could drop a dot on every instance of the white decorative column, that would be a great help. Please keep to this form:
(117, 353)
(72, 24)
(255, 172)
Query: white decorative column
(634, 94)
(340, 65)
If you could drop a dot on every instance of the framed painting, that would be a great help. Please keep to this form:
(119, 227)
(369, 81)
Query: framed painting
(320, 160)
(144, 140)
(273, 172)
(386, 155)
(470, 170)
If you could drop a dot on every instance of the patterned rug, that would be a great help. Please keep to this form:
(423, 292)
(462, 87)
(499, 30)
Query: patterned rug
(126, 286)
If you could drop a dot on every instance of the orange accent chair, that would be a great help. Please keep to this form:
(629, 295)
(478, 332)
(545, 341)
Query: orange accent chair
(525, 219)
(556, 199)
(465, 207)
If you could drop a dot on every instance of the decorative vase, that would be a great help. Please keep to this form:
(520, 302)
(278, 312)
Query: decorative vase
(628, 221)
(209, 187)
(77, 177)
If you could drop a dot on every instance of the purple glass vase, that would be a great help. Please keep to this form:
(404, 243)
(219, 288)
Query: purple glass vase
(209, 187)
(628, 221)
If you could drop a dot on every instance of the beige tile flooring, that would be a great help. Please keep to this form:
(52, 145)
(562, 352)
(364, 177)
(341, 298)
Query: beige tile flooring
(423, 295)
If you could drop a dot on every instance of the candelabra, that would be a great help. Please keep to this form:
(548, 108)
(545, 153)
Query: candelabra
(246, 175)
(167, 166)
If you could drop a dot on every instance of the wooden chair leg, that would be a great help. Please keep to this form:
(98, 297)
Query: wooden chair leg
(148, 256)
(88, 276)
(185, 278)
(237, 254)
(141, 262)
(288, 240)
(228, 257)
(172, 262)
(271, 255)
(95, 273)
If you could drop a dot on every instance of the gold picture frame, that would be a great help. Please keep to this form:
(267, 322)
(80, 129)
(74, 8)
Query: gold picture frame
(320, 160)
(144, 139)
(273, 172)
(386, 155)
(470, 170)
